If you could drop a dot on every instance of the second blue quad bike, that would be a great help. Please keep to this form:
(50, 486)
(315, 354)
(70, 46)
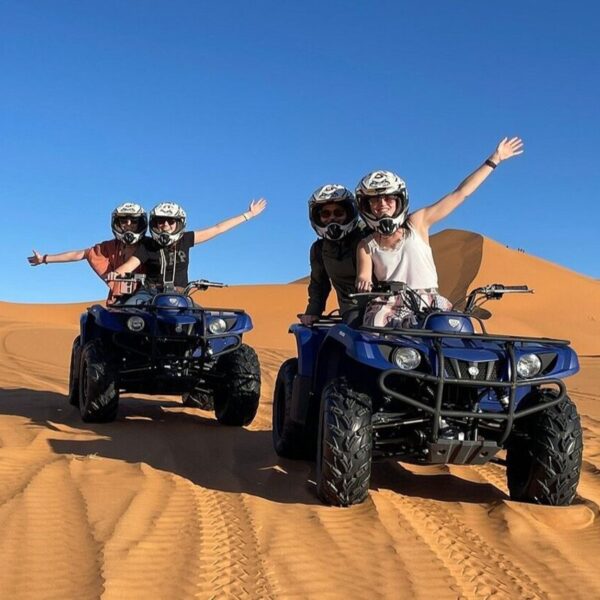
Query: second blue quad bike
(440, 391)
(163, 343)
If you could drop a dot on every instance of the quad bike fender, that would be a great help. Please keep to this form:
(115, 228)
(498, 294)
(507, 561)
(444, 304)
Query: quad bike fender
(83, 319)
(308, 342)
(243, 324)
(567, 363)
(362, 347)
(106, 319)
(301, 395)
(88, 323)
(238, 322)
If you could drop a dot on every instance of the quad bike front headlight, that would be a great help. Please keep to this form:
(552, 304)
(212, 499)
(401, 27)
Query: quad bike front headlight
(136, 323)
(217, 326)
(406, 359)
(529, 365)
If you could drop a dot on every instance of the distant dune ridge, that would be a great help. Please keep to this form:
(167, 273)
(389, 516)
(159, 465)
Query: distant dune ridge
(565, 304)
(166, 503)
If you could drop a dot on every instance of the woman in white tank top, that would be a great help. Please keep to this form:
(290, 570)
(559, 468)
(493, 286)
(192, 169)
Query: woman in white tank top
(398, 250)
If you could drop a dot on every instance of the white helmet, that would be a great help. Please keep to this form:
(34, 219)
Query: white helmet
(167, 210)
(327, 194)
(382, 183)
(138, 217)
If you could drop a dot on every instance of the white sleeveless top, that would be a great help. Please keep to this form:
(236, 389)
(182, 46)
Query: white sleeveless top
(411, 261)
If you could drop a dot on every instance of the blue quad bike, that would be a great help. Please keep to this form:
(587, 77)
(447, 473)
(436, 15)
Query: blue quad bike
(165, 344)
(435, 392)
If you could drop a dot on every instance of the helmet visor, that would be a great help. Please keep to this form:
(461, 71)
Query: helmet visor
(169, 224)
(125, 223)
(333, 212)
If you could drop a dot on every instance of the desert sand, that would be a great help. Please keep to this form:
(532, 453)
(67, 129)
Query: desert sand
(165, 503)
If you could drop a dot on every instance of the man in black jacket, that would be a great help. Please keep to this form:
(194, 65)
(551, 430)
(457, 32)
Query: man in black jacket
(333, 215)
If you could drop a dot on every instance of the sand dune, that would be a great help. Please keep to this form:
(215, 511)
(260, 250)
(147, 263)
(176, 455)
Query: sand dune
(166, 503)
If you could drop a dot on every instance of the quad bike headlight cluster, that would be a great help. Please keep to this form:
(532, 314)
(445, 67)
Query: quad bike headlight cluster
(136, 323)
(529, 365)
(406, 359)
(217, 326)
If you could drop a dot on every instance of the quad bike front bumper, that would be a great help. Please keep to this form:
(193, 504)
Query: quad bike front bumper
(455, 451)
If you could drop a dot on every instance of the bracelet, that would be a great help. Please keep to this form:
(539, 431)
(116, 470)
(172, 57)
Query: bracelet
(45, 259)
(490, 163)
(246, 217)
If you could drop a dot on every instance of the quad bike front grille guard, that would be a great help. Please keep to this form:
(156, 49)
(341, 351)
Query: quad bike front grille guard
(440, 381)
(155, 356)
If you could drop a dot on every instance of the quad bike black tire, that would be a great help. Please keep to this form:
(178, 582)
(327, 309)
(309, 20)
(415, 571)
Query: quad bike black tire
(543, 462)
(345, 445)
(98, 389)
(199, 399)
(289, 437)
(74, 372)
(237, 392)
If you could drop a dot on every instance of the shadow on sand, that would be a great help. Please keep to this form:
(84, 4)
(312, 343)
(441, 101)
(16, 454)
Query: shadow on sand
(433, 486)
(186, 442)
(190, 443)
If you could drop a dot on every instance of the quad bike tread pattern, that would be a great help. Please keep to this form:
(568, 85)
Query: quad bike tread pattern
(344, 458)
(198, 399)
(238, 392)
(544, 467)
(289, 438)
(74, 374)
(98, 389)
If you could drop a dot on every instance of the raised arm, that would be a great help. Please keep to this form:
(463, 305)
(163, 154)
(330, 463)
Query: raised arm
(364, 268)
(426, 217)
(255, 208)
(44, 259)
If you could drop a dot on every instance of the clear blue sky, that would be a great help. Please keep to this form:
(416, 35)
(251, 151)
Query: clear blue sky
(211, 104)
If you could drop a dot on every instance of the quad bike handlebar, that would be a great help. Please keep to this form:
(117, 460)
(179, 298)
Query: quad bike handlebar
(131, 278)
(475, 298)
(495, 291)
(388, 289)
(198, 284)
(202, 284)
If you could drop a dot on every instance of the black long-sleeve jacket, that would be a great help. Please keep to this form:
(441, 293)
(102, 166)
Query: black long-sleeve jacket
(333, 263)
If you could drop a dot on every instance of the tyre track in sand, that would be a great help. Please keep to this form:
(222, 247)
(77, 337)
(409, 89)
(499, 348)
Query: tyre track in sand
(478, 569)
(177, 540)
(315, 551)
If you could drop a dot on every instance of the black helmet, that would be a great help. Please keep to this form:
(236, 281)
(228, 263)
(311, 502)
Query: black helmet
(327, 194)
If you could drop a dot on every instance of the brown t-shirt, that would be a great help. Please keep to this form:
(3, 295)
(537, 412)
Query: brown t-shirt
(108, 256)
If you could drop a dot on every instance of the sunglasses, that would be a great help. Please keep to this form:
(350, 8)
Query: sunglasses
(385, 199)
(128, 220)
(336, 212)
(163, 220)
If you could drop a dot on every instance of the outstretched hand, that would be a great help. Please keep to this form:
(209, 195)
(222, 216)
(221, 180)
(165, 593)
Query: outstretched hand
(36, 259)
(257, 206)
(507, 149)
